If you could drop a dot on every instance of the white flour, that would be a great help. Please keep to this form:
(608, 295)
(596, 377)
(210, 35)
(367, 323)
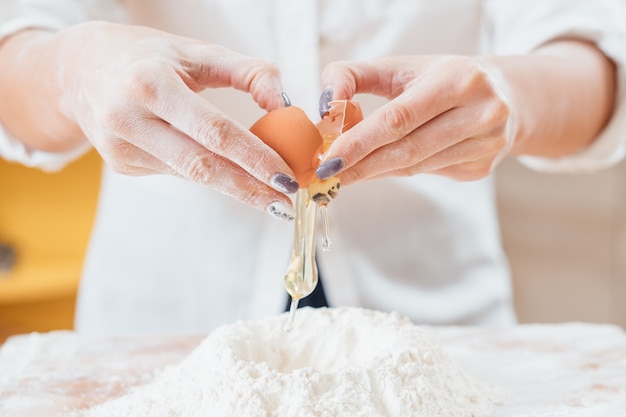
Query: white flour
(343, 362)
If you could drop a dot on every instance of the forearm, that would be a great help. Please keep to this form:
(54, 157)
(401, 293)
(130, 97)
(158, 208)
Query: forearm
(31, 91)
(563, 95)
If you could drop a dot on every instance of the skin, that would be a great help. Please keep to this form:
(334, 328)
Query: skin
(448, 115)
(459, 116)
(139, 107)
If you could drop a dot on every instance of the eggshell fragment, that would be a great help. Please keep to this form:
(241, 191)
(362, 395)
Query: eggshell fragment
(294, 137)
(342, 115)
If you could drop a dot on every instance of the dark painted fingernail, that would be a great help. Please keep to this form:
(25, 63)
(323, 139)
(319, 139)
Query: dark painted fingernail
(285, 183)
(329, 168)
(325, 98)
(281, 211)
(286, 99)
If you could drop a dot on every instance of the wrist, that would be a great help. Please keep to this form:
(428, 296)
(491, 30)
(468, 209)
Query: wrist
(29, 78)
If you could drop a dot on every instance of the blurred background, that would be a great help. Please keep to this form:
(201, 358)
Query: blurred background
(565, 236)
(45, 218)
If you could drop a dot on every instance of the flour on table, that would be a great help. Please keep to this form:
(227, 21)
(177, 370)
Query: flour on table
(341, 362)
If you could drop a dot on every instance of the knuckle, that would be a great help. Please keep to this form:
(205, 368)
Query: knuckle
(269, 69)
(198, 168)
(475, 80)
(501, 111)
(115, 148)
(141, 81)
(399, 119)
(355, 150)
(126, 96)
(212, 131)
(475, 75)
(117, 119)
(497, 113)
(260, 163)
(415, 151)
(116, 165)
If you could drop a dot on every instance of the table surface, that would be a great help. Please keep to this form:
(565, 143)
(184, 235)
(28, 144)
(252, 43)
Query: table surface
(573, 370)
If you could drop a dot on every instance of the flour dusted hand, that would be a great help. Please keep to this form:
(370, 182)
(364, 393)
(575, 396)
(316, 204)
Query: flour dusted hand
(132, 91)
(447, 115)
(458, 116)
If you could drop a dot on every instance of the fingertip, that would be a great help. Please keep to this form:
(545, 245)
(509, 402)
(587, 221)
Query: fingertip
(281, 211)
(330, 168)
(286, 99)
(324, 101)
(340, 78)
(266, 88)
(284, 183)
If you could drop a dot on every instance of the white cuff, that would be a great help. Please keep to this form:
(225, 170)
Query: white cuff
(16, 15)
(519, 27)
(13, 150)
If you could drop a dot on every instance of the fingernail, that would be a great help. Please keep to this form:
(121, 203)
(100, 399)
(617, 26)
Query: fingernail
(329, 168)
(284, 183)
(286, 99)
(325, 98)
(281, 211)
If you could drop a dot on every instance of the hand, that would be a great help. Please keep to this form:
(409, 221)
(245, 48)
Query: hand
(448, 115)
(132, 91)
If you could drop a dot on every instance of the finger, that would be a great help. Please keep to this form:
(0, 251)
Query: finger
(391, 122)
(468, 171)
(441, 132)
(464, 161)
(324, 101)
(386, 77)
(210, 128)
(125, 158)
(215, 66)
(193, 161)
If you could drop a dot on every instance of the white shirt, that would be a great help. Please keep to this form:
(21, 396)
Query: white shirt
(168, 255)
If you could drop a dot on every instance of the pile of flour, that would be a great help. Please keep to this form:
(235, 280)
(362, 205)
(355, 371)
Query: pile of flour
(342, 362)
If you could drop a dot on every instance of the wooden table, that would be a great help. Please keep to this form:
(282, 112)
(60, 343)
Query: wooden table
(573, 370)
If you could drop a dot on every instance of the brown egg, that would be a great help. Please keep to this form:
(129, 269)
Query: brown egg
(296, 139)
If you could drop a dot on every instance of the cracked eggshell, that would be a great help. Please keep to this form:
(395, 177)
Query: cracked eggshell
(294, 137)
(342, 115)
(298, 141)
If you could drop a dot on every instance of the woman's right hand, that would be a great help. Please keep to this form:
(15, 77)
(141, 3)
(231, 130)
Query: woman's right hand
(132, 92)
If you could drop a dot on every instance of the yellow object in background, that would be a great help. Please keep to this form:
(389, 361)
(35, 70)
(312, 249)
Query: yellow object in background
(46, 218)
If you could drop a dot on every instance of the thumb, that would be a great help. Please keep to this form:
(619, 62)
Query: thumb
(386, 77)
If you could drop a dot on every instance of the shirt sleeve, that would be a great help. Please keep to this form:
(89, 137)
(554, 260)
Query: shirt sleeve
(17, 15)
(520, 26)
